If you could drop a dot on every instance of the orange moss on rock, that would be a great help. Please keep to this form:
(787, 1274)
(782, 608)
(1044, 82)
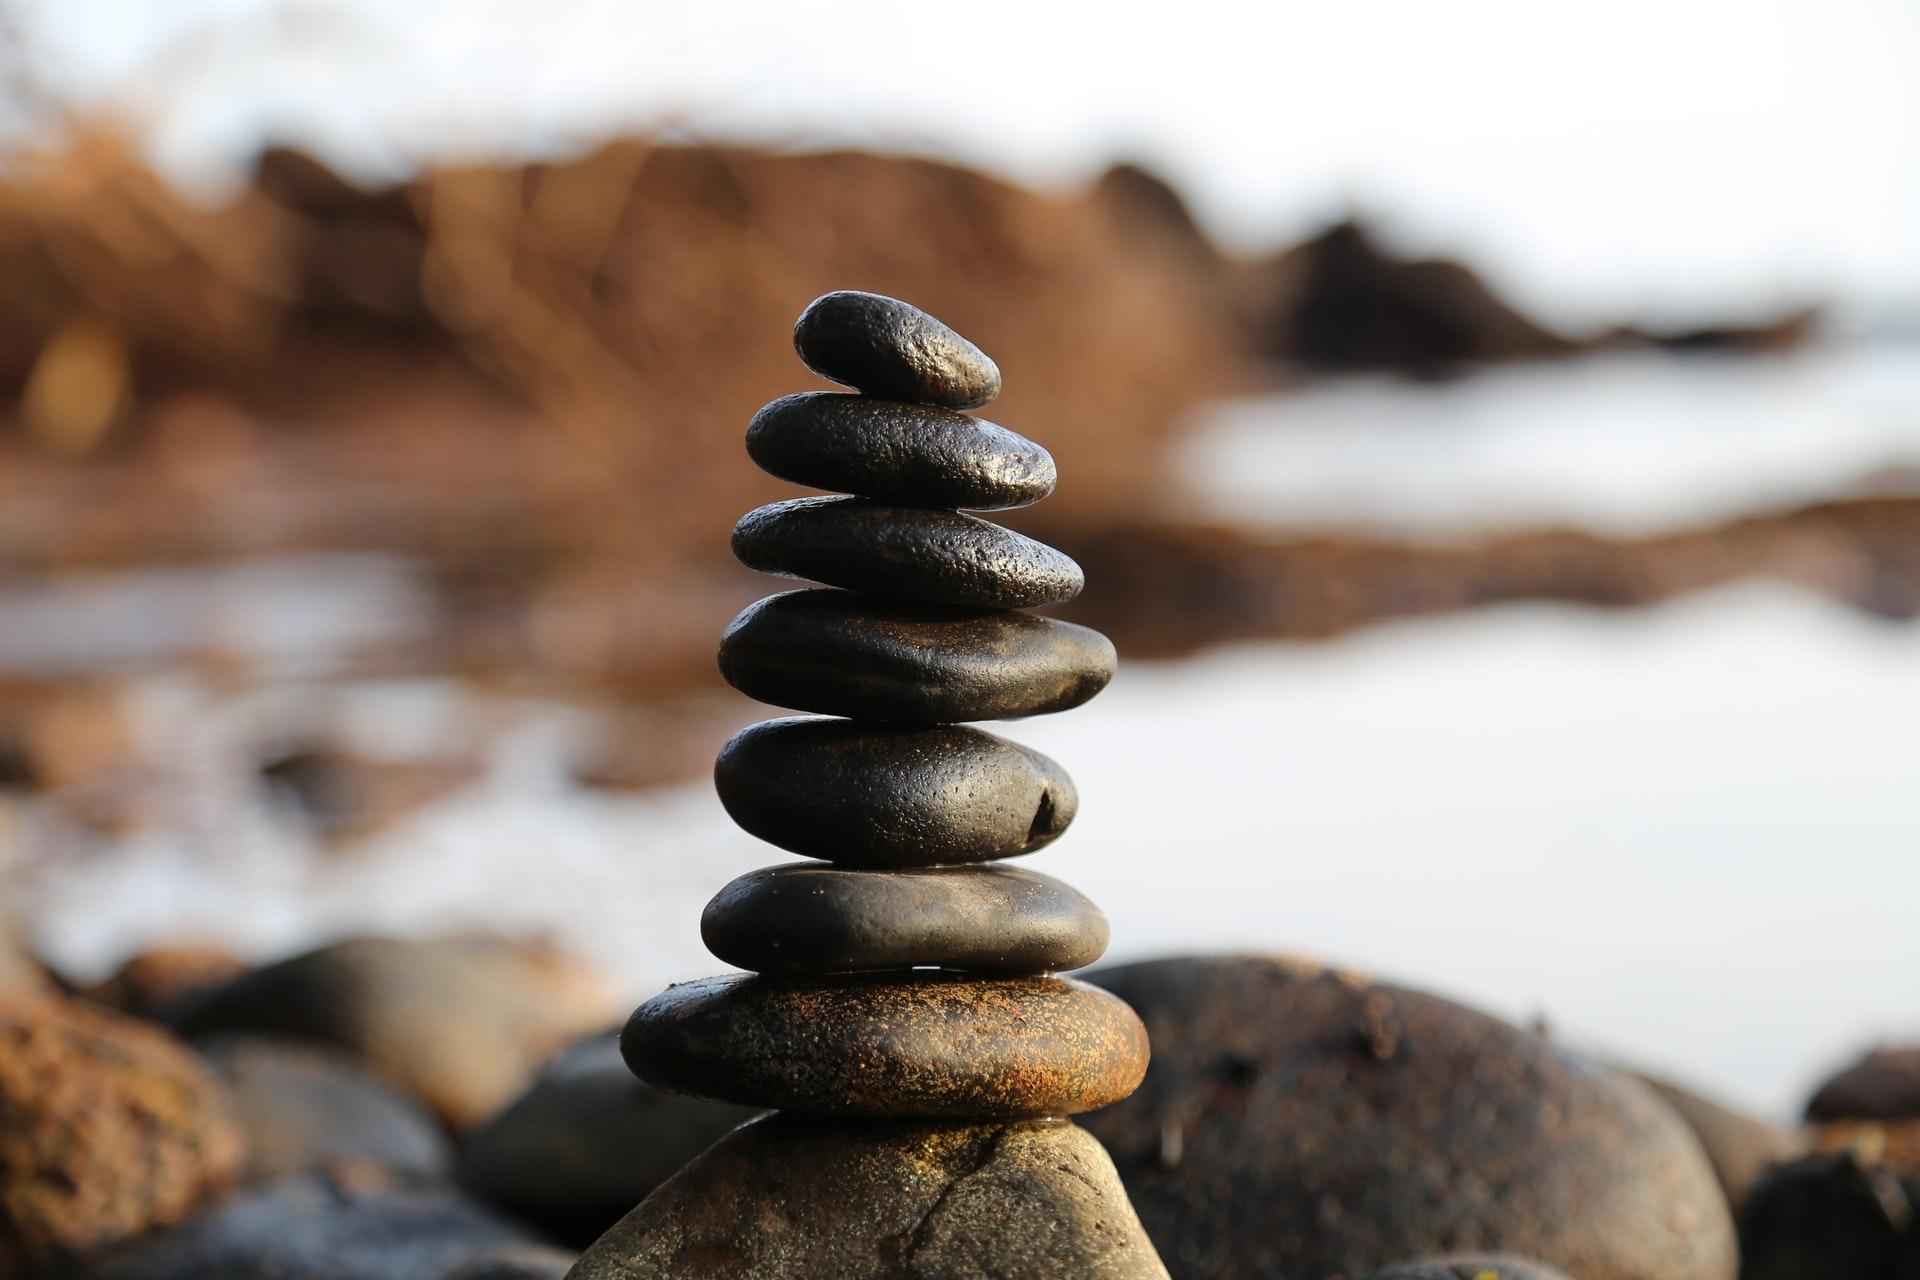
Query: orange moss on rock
(108, 1128)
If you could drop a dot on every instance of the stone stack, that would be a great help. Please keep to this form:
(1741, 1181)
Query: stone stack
(900, 1005)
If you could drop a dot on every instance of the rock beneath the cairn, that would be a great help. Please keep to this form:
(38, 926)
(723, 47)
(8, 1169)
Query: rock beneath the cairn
(1739, 1146)
(923, 1043)
(1831, 1215)
(937, 557)
(314, 1228)
(308, 1108)
(793, 1195)
(886, 347)
(841, 653)
(1883, 1085)
(517, 1262)
(108, 1128)
(911, 454)
(463, 1023)
(588, 1142)
(806, 918)
(873, 795)
(1304, 1122)
(1477, 1266)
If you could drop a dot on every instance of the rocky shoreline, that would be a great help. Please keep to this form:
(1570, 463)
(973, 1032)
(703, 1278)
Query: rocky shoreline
(380, 1108)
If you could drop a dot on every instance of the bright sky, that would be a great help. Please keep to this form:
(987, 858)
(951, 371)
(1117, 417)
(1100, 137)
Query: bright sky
(1676, 158)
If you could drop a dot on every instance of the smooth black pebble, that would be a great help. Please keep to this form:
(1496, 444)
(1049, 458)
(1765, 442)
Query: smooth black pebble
(808, 918)
(875, 795)
(911, 454)
(890, 348)
(940, 557)
(847, 654)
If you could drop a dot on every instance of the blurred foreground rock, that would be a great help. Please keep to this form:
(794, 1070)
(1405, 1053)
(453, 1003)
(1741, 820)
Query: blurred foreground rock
(108, 1129)
(1882, 1085)
(793, 1195)
(307, 1108)
(1832, 1216)
(1740, 1146)
(463, 1024)
(1301, 1121)
(312, 1228)
(588, 1142)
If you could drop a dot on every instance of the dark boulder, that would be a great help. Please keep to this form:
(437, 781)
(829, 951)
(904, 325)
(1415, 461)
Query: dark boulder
(1298, 1122)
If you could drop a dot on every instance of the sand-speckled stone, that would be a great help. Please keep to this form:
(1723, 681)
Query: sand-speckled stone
(1300, 1121)
(845, 654)
(793, 1197)
(940, 557)
(925, 1043)
(806, 918)
(875, 795)
(886, 347)
(913, 454)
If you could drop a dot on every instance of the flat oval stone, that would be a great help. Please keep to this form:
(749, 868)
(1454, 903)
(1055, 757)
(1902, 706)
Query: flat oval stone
(920, 1043)
(875, 795)
(912, 454)
(890, 348)
(940, 557)
(806, 918)
(847, 654)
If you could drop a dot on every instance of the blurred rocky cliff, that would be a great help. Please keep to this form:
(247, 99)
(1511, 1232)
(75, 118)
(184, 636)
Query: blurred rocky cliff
(535, 377)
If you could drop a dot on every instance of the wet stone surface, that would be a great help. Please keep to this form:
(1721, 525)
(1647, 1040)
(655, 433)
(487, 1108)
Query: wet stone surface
(925, 1043)
(890, 348)
(913, 455)
(939, 557)
(806, 918)
(875, 795)
(841, 653)
(792, 1196)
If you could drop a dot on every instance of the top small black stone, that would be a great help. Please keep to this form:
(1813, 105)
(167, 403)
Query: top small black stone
(889, 348)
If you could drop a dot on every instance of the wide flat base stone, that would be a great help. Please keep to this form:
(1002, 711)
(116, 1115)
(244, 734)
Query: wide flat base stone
(791, 1197)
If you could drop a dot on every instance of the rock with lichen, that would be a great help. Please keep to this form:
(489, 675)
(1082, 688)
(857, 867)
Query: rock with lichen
(108, 1128)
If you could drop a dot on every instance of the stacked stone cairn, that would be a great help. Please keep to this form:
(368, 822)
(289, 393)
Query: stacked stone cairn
(900, 1010)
